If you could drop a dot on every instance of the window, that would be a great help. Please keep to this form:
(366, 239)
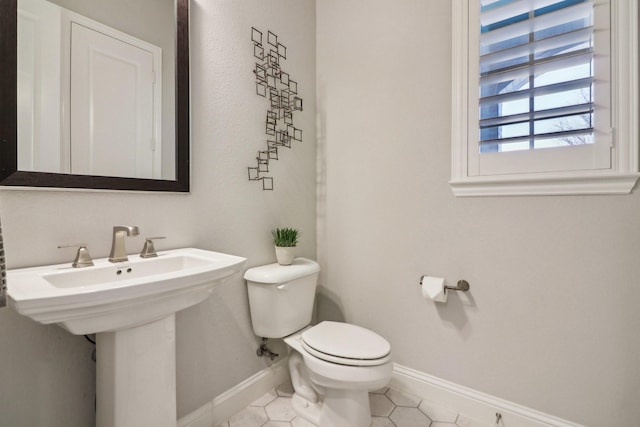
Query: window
(545, 97)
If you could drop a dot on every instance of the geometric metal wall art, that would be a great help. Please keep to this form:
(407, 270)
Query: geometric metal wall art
(281, 92)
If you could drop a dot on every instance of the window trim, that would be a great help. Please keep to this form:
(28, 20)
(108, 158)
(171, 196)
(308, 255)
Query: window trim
(624, 173)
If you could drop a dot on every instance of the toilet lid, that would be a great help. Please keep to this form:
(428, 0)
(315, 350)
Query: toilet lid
(346, 344)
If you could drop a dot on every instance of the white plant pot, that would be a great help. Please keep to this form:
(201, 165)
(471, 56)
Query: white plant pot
(285, 255)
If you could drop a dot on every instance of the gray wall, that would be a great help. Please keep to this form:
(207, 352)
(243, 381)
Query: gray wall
(552, 318)
(47, 377)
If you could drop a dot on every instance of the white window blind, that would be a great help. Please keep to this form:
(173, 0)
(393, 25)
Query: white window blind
(544, 97)
(536, 74)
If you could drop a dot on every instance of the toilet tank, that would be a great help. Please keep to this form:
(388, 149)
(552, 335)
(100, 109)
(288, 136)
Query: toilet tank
(281, 297)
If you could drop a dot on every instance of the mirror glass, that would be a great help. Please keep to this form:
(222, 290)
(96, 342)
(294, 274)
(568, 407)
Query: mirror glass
(102, 94)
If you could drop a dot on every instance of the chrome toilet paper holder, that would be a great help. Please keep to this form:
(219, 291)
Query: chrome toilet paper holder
(462, 285)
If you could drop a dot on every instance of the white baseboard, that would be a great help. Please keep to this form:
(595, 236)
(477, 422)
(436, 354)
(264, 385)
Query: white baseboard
(235, 399)
(477, 407)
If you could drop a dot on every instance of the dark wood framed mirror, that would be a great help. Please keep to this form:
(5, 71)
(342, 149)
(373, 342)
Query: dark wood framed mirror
(10, 175)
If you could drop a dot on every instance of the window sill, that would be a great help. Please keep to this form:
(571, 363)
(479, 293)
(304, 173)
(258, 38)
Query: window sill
(545, 185)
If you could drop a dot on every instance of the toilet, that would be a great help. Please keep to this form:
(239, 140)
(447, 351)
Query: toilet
(333, 365)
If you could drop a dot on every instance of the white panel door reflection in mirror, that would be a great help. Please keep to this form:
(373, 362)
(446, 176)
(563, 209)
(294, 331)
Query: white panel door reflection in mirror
(97, 110)
(113, 123)
(39, 129)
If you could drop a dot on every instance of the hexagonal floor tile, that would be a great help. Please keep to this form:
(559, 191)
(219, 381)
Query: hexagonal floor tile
(400, 398)
(380, 405)
(280, 409)
(389, 408)
(265, 399)
(382, 390)
(409, 417)
(437, 412)
(301, 422)
(464, 421)
(381, 422)
(285, 389)
(249, 417)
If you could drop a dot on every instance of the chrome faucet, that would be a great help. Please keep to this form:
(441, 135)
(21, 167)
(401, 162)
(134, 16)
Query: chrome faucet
(118, 249)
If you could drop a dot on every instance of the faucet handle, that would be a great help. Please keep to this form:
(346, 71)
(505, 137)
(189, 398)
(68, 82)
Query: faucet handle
(148, 251)
(83, 257)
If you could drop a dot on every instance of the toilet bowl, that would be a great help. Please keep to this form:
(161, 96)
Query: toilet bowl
(334, 380)
(333, 365)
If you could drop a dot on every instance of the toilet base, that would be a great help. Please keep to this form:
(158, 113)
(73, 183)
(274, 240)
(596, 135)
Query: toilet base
(345, 408)
(339, 408)
(308, 410)
(333, 407)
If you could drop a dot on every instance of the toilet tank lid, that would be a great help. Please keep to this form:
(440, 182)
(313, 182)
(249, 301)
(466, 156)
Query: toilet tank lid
(276, 273)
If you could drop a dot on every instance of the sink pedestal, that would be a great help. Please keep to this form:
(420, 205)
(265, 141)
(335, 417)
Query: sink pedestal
(136, 376)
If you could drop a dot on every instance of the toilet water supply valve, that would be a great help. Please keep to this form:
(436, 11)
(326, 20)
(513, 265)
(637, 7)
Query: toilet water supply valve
(264, 351)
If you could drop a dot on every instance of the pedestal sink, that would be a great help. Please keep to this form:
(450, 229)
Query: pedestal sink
(131, 307)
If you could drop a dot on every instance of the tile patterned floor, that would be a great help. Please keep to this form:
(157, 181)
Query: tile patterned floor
(389, 408)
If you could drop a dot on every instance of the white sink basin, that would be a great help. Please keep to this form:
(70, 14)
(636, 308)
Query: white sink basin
(111, 297)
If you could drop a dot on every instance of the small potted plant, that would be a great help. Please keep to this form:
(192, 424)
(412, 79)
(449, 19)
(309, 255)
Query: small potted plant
(285, 240)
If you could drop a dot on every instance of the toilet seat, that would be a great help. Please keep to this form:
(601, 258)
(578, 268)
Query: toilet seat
(346, 344)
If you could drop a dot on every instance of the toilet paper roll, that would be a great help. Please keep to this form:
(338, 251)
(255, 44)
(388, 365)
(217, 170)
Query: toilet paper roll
(433, 288)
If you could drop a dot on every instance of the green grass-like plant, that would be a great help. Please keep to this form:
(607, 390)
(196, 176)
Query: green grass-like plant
(285, 237)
